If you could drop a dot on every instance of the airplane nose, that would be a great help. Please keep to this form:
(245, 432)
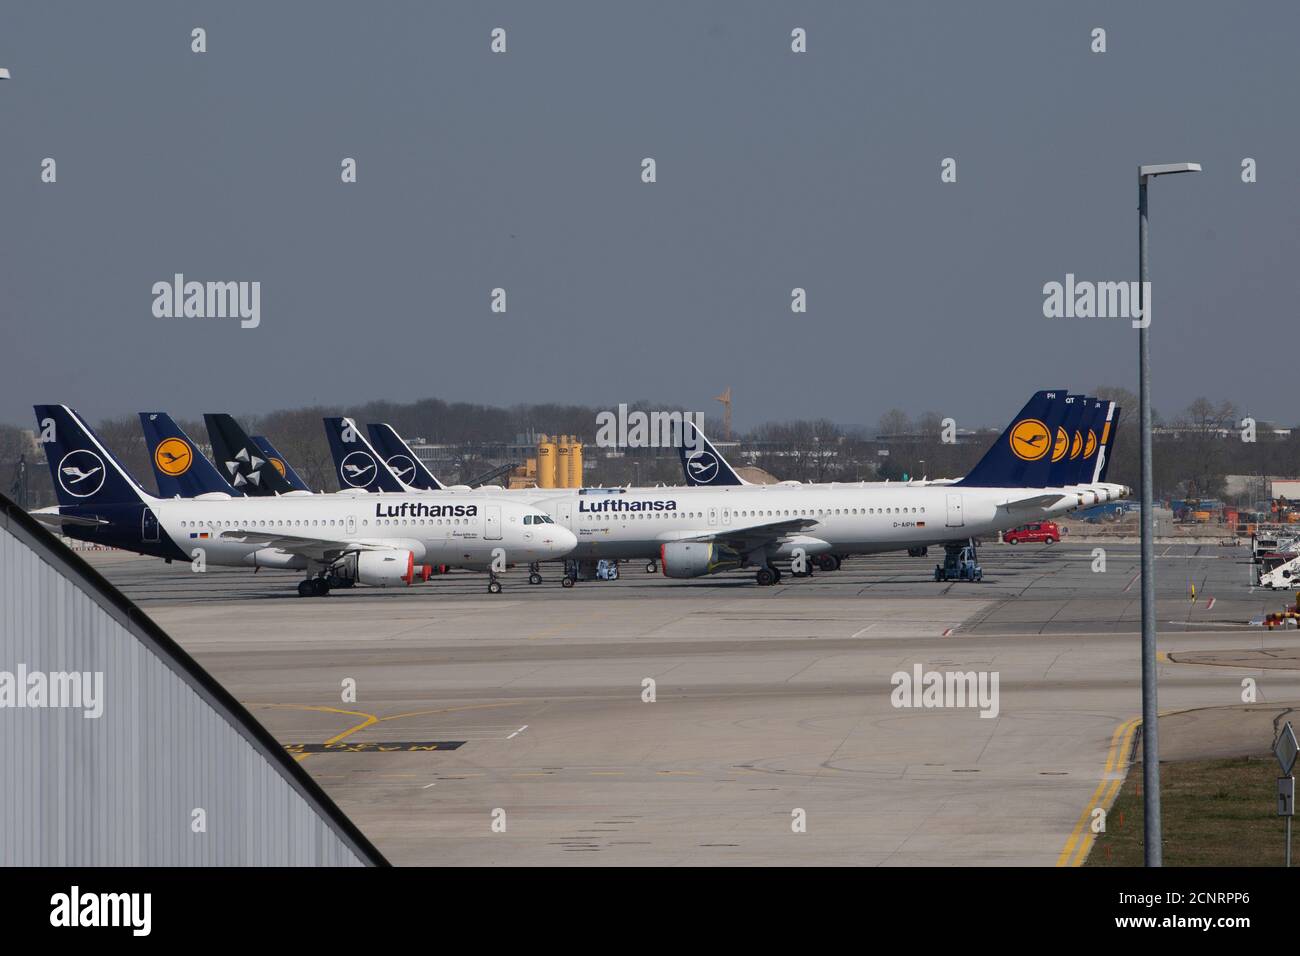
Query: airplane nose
(563, 541)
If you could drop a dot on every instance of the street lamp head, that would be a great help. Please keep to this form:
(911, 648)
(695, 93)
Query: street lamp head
(1165, 169)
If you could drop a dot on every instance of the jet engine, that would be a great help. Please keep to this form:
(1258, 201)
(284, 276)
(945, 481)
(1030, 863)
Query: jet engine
(383, 569)
(694, 559)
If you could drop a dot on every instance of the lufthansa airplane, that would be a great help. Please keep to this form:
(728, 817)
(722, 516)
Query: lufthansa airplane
(699, 531)
(335, 539)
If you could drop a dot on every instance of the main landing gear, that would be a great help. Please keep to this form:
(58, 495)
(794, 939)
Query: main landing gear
(651, 567)
(768, 575)
(494, 586)
(313, 587)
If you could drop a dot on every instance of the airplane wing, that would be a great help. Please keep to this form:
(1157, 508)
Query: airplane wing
(54, 518)
(312, 548)
(749, 537)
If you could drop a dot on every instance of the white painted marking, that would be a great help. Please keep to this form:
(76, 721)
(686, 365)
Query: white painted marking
(517, 732)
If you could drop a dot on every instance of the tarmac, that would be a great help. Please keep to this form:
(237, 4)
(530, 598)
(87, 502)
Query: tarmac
(658, 722)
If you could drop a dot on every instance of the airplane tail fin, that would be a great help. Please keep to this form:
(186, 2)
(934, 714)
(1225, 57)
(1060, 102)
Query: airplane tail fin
(178, 466)
(279, 463)
(401, 460)
(1107, 453)
(1022, 455)
(85, 472)
(240, 461)
(356, 462)
(702, 463)
(1091, 430)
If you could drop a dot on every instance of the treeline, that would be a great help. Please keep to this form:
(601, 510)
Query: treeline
(1192, 456)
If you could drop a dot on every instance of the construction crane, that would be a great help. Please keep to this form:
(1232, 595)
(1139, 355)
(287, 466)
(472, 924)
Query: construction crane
(725, 399)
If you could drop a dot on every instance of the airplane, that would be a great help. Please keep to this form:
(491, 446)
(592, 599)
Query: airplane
(693, 531)
(179, 468)
(244, 462)
(337, 540)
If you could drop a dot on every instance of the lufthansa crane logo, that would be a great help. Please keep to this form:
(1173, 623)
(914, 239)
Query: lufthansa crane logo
(1091, 445)
(173, 457)
(278, 465)
(1076, 446)
(1061, 444)
(1030, 439)
(402, 467)
(357, 469)
(702, 466)
(81, 473)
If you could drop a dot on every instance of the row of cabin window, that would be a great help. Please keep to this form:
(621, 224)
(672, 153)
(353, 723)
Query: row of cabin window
(321, 523)
(806, 513)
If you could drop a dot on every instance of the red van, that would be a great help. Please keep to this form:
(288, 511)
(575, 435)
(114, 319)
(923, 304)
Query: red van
(1037, 531)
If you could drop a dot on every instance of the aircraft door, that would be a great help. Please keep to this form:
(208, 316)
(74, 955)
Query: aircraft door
(149, 527)
(492, 527)
(352, 524)
(955, 517)
(713, 517)
(564, 514)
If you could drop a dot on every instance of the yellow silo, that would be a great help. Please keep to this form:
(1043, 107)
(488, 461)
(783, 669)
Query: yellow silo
(562, 463)
(575, 464)
(545, 462)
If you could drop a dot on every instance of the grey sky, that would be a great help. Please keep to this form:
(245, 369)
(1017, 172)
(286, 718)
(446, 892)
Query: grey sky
(522, 170)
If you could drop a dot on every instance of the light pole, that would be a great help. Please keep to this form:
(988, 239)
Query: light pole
(1150, 743)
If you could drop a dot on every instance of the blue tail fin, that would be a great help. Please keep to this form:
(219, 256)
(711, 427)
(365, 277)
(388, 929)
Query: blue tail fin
(1108, 432)
(178, 466)
(238, 459)
(401, 460)
(1022, 455)
(279, 463)
(356, 463)
(85, 472)
(1066, 447)
(1091, 430)
(702, 463)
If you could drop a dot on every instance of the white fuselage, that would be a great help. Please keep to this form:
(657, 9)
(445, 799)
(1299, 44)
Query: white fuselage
(437, 528)
(636, 522)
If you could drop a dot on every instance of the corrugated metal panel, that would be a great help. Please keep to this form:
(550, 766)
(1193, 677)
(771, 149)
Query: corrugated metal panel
(122, 789)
